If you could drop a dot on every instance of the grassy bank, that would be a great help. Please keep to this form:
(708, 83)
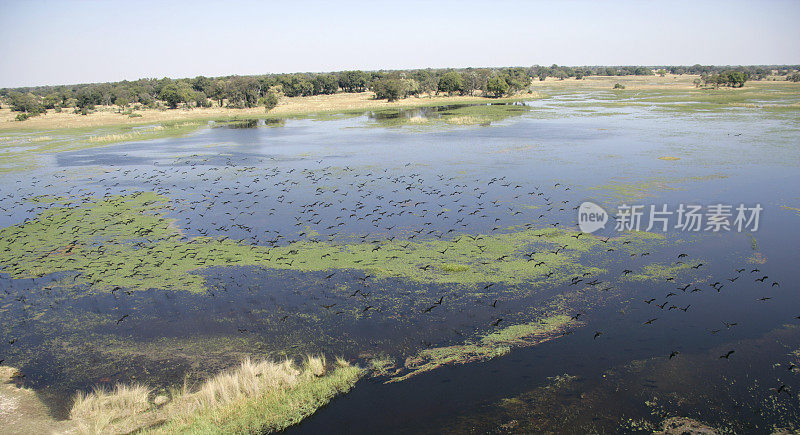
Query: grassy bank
(288, 107)
(256, 397)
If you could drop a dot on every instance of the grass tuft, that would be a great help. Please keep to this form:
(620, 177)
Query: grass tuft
(114, 411)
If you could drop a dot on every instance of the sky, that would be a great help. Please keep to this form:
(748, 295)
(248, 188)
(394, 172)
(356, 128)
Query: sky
(45, 42)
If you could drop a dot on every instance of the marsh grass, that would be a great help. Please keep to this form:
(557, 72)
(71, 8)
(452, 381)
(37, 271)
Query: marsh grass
(381, 366)
(492, 345)
(102, 411)
(165, 259)
(20, 151)
(123, 137)
(255, 397)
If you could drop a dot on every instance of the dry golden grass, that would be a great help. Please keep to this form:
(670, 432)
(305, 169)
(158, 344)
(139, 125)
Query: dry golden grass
(128, 409)
(670, 81)
(114, 411)
(462, 120)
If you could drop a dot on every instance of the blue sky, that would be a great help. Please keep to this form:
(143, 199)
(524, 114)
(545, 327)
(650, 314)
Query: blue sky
(60, 42)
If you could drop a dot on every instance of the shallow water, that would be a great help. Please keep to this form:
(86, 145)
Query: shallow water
(356, 180)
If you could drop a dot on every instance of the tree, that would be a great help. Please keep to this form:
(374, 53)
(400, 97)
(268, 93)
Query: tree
(200, 99)
(393, 89)
(27, 103)
(202, 84)
(86, 99)
(450, 82)
(426, 80)
(51, 101)
(325, 84)
(270, 100)
(216, 91)
(243, 92)
(794, 77)
(173, 94)
(734, 79)
(497, 86)
(353, 81)
(295, 85)
(122, 97)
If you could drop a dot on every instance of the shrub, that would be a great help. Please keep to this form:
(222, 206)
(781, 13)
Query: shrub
(22, 116)
(270, 100)
(619, 86)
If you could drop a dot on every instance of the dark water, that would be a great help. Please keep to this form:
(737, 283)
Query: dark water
(269, 184)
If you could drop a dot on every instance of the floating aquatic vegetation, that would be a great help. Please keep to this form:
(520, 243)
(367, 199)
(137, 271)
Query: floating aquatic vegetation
(127, 242)
(489, 346)
(626, 192)
(23, 153)
(660, 272)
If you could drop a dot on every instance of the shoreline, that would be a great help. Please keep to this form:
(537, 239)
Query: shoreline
(351, 103)
(289, 107)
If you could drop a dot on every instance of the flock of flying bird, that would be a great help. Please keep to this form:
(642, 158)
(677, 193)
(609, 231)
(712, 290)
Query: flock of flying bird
(258, 202)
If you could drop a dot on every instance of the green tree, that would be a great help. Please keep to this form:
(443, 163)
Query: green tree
(243, 92)
(426, 80)
(173, 94)
(450, 82)
(200, 99)
(497, 86)
(295, 85)
(86, 99)
(735, 79)
(270, 100)
(392, 89)
(27, 103)
(325, 84)
(353, 81)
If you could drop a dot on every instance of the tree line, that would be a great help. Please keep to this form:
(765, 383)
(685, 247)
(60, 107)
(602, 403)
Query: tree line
(265, 90)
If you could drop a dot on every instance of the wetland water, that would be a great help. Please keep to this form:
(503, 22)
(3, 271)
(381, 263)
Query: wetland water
(448, 252)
